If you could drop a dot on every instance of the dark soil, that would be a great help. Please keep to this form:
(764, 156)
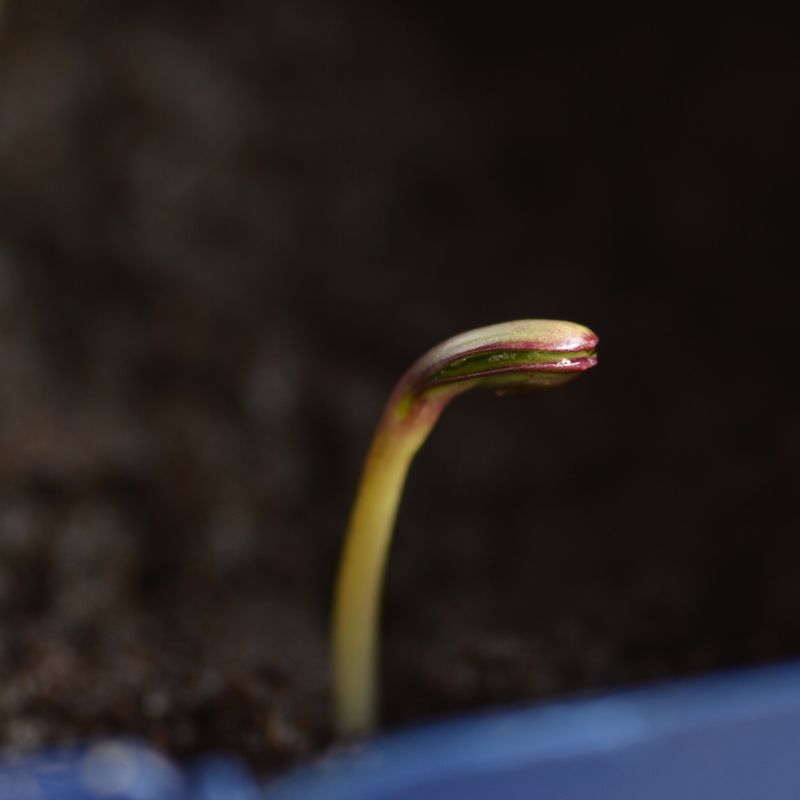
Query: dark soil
(226, 229)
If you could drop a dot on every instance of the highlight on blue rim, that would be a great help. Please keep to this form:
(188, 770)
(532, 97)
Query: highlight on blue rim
(121, 770)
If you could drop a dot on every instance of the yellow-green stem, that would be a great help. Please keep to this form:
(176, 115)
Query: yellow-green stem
(358, 584)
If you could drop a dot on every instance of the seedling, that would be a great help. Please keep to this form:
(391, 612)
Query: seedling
(511, 356)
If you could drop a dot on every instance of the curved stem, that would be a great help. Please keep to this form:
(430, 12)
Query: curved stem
(363, 563)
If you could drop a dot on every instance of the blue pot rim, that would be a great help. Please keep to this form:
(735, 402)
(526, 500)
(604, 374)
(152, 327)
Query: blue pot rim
(497, 741)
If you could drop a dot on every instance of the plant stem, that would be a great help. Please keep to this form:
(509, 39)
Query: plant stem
(358, 584)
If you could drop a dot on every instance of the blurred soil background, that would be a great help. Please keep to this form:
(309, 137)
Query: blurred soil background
(227, 228)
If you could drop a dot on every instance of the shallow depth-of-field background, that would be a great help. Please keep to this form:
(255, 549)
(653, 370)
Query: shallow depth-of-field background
(227, 228)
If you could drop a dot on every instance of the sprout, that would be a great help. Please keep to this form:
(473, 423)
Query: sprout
(511, 356)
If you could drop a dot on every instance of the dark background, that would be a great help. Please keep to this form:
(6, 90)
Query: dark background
(227, 228)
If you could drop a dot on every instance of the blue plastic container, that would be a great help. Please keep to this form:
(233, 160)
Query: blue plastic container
(119, 769)
(734, 736)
